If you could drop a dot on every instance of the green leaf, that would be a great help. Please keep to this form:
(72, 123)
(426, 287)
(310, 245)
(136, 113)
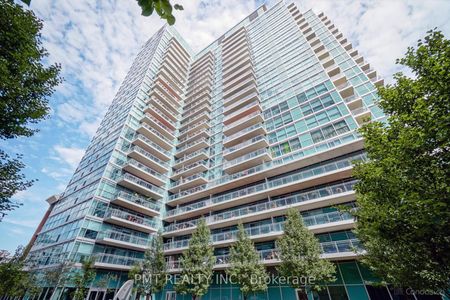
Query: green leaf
(178, 7)
(27, 2)
(170, 20)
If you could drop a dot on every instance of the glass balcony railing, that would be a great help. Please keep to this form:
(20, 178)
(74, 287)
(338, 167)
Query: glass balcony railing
(152, 144)
(157, 133)
(142, 183)
(124, 215)
(245, 144)
(136, 198)
(237, 103)
(113, 259)
(194, 134)
(345, 162)
(123, 237)
(225, 128)
(188, 179)
(191, 155)
(243, 158)
(190, 167)
(344, 246)
(159, 123)
(196, 117)
(149, 156)
(188, 191)
(242, 109)
(193, 126)
(144, 168)
(265, 229)
(242, 132)
(288, 201)
(205, 140)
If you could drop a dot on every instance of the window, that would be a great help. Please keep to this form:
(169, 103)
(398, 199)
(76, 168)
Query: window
(171, 296)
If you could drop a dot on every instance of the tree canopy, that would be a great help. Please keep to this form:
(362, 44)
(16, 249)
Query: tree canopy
(300, 255)
(403, 191)
(245, 265)
(197, 263)
(26, 83)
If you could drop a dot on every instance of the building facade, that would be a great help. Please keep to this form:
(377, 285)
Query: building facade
(262, 120)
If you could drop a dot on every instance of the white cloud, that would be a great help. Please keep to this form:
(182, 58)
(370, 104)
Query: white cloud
(70, 156)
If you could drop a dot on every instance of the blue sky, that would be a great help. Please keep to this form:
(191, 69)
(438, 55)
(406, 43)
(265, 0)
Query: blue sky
(95, 42)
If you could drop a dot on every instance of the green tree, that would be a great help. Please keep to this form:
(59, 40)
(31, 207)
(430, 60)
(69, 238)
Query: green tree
(83, 278)
(197, 263)
(403, 191)
(150, 275)
(300, 255)
(14, 280)
(245, 266)
(57, 276)
(25, 86)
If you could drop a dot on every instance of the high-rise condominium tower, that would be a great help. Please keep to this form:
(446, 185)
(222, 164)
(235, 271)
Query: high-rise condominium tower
(262, 120)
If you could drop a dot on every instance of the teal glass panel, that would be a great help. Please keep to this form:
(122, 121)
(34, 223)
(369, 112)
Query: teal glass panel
(288, 293)
(357, 292)
(367, 274)
(274, 293)
(350, 272)
(337, 292)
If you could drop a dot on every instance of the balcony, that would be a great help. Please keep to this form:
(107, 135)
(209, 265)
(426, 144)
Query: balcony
(202, 133)
(345, 144)
(304, 179)
(339, 79)
(158, 125)
(114, 262)
(188, 170)
(192, 147)
(162, 117)
(137, 203)
(249, 96)
(236, 59)
(148, 174)
(205, 116)
(247, 161)
(122, 240)
(148, 159)
(149, 146)
(188, 182)
(333, 70)
(141, 186)
(238, 71)
(231, 71)
(203, 108)
(243, 135)
(345, 90)
(168, 110)
(128, 220)
(361, 114)
(312, 199)
(252, 119)
(191, 158)
(353, 102)
(230, 52)
(201, 125)
(242, 112)
(332, 221)
(253, 144)
(378, 81)
(248, 74)
(336, 250)
(154, 135)
(237, 90)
